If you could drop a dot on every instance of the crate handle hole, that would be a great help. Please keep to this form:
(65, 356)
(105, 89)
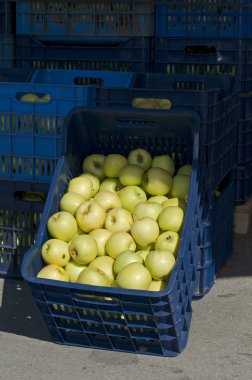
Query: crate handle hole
(200, 50)
(87, 298)
(147, 103)
(88, 81)
(33, 97)
(31, 196)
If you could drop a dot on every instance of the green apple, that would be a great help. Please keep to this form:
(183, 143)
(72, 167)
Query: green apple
(113, 284)
(55, 251)
(33, 196)
(145, 103)
(143, 254)
(164, 104)
(157, 181)
(118, 219)
(95, 182)
(119, 242)
(160, 264)
(171, 219)
(131, 196)
(185, 170)
(165, 162)
(90, 216)
(148, 247)
(151, 209)
(145, 231)
(140, 157)
(125, 258)
(111, 184)
(108, 200)
(168, 241)
(45, 98)
(93, 276)
(158, 199)
(83, 249)
(62, 225)
(29, 97)
(82, 186)
(134, 276)
(100, 235)
(94, 164)
(104, 264)
(79, 232)
(175, 202)
(180, 186)
(113, 164)
(70, 201)
(74, 269)
(131, 175)
(53, 272)
(156, 285)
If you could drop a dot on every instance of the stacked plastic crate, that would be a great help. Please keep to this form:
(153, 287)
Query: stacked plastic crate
(7, 33)
(90, 35)
(107, 36)
(66, 35)
(212, 38)
(199, 128)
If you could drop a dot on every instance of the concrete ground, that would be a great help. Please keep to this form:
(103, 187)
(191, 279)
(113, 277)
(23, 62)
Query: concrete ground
(219, 346)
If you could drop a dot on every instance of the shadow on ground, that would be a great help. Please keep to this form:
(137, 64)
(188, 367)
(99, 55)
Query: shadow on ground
(18, 312)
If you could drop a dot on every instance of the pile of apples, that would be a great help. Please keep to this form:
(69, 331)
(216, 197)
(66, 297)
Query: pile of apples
(119, 222)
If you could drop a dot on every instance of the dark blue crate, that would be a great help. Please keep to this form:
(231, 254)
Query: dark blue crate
(155, 323)
(213, 98)
(7, 17)
(244, 149)
(217, 240)
(206, 56)
(7, 50)
(134, 54)
(21, 207)
(85, 19)
(244, 142)
(31, 133)
(200, 18)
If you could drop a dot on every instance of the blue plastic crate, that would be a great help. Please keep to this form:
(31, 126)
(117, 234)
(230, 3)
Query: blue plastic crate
(7, 50)
(201, 18)
(7, 17)
(205, 56)
(135, 54)
(31, 133)
(143, 322)
(93, 20)
(213, 98)
(21, 207)
(217, 241)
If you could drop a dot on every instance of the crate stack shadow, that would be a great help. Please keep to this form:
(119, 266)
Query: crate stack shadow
(83, 63)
